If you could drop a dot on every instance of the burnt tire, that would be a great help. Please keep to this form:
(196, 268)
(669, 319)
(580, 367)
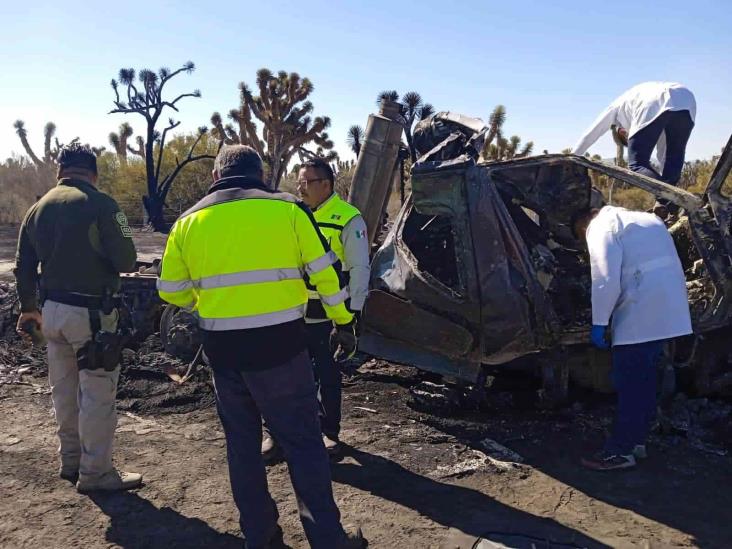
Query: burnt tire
(179, 333)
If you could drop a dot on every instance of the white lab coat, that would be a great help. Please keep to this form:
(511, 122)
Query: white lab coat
(638, 107)
(637, 278)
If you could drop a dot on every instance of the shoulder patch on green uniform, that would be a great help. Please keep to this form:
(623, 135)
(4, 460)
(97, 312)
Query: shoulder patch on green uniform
(335, 216)
(124, 226)
(360, 234)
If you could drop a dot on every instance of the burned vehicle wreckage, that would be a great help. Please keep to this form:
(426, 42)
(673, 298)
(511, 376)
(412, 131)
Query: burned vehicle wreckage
(479, 271)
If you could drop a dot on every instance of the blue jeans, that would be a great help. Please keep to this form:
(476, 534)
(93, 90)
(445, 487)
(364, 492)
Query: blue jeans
(635, 378)
(285, 397)
(677, 126)
(328, 377)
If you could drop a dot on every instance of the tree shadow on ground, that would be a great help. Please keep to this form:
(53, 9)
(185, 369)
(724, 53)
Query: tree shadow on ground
(136, 523)
(468, 510)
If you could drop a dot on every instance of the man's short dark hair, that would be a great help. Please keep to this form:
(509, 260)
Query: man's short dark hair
(322, 168)
(241, 160)
(77, 156)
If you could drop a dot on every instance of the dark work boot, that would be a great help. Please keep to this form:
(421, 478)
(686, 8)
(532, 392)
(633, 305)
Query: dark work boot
(271, 451)
(355, 540)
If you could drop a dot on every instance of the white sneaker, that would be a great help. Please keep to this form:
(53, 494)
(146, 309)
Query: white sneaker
(639, 452)
(112, 481)
(332, 446)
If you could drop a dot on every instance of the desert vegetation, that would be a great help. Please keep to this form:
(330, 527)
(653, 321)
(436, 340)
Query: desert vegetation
(158, 174)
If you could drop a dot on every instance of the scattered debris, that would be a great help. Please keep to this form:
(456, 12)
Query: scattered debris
(371, 410)
(474, 462)
(434, 396)
(498, 452)
(8, 440)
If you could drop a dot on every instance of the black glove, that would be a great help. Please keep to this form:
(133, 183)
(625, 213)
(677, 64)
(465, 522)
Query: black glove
(357, 320)
(343, 341)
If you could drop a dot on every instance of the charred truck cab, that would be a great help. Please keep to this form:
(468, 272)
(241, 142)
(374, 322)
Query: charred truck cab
(480, 268)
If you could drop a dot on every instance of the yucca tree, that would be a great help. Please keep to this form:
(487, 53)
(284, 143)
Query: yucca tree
(142, 94)
(413, 110)
(19, 126)
(119, 141)
(50, 151)
(495, 126)
(140, 149)
(389, 95)
(496, 146)
(50, 154)
(527, 149)
(355, 139)
(286, 117)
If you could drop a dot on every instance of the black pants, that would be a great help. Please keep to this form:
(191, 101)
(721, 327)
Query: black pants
(285, 397)
(327, 376)
(677, 126)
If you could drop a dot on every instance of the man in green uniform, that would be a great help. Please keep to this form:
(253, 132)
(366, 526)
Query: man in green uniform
(82, 242)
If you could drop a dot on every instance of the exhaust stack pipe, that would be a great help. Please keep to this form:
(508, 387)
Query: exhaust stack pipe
(377, 162)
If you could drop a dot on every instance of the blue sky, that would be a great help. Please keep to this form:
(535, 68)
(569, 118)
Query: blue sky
(554, 65)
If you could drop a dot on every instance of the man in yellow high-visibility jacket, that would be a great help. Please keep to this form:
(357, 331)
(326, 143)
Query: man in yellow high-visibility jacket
(345, 230)
(342, 225)
(239, 259)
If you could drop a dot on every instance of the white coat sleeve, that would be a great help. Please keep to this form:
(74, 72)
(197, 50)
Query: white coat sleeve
(600, 126)
(606, 263)
(356, 252)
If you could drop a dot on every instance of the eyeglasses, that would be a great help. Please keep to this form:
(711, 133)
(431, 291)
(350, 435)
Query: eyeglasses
(308, 181)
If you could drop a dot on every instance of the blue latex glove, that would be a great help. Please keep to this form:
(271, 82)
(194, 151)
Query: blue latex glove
(597, 337)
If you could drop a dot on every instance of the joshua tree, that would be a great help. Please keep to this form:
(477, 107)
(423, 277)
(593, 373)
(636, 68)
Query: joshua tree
(413, 110)
(140, 150)
(497, 147)
(142, 94)
(355, 139)
(620, 145)
(119, 141)
(495, 124)
(284, 112)
(49, 153)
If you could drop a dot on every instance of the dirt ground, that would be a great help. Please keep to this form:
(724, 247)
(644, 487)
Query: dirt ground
(415, 473)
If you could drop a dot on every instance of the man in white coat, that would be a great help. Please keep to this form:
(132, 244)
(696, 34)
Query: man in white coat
(651, 115)
(639, 301)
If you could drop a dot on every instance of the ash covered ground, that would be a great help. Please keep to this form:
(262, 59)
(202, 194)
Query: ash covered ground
(424, 466)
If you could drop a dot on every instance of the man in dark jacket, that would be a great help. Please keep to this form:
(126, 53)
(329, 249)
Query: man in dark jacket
(82, 242)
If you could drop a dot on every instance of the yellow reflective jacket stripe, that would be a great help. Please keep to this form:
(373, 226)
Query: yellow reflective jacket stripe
(241, 253)
(253, 321)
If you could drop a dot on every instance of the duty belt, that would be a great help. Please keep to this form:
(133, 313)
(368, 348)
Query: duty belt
(79, 300)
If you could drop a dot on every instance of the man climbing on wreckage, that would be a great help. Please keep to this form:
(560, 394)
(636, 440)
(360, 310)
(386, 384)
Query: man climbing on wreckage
(639, 301)
(650, 115)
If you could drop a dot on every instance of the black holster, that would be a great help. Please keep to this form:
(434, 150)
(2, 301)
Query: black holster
(104, 349)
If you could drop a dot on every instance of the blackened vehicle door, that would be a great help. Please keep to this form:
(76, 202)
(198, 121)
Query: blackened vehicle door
(424, 304)
(516, 315)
